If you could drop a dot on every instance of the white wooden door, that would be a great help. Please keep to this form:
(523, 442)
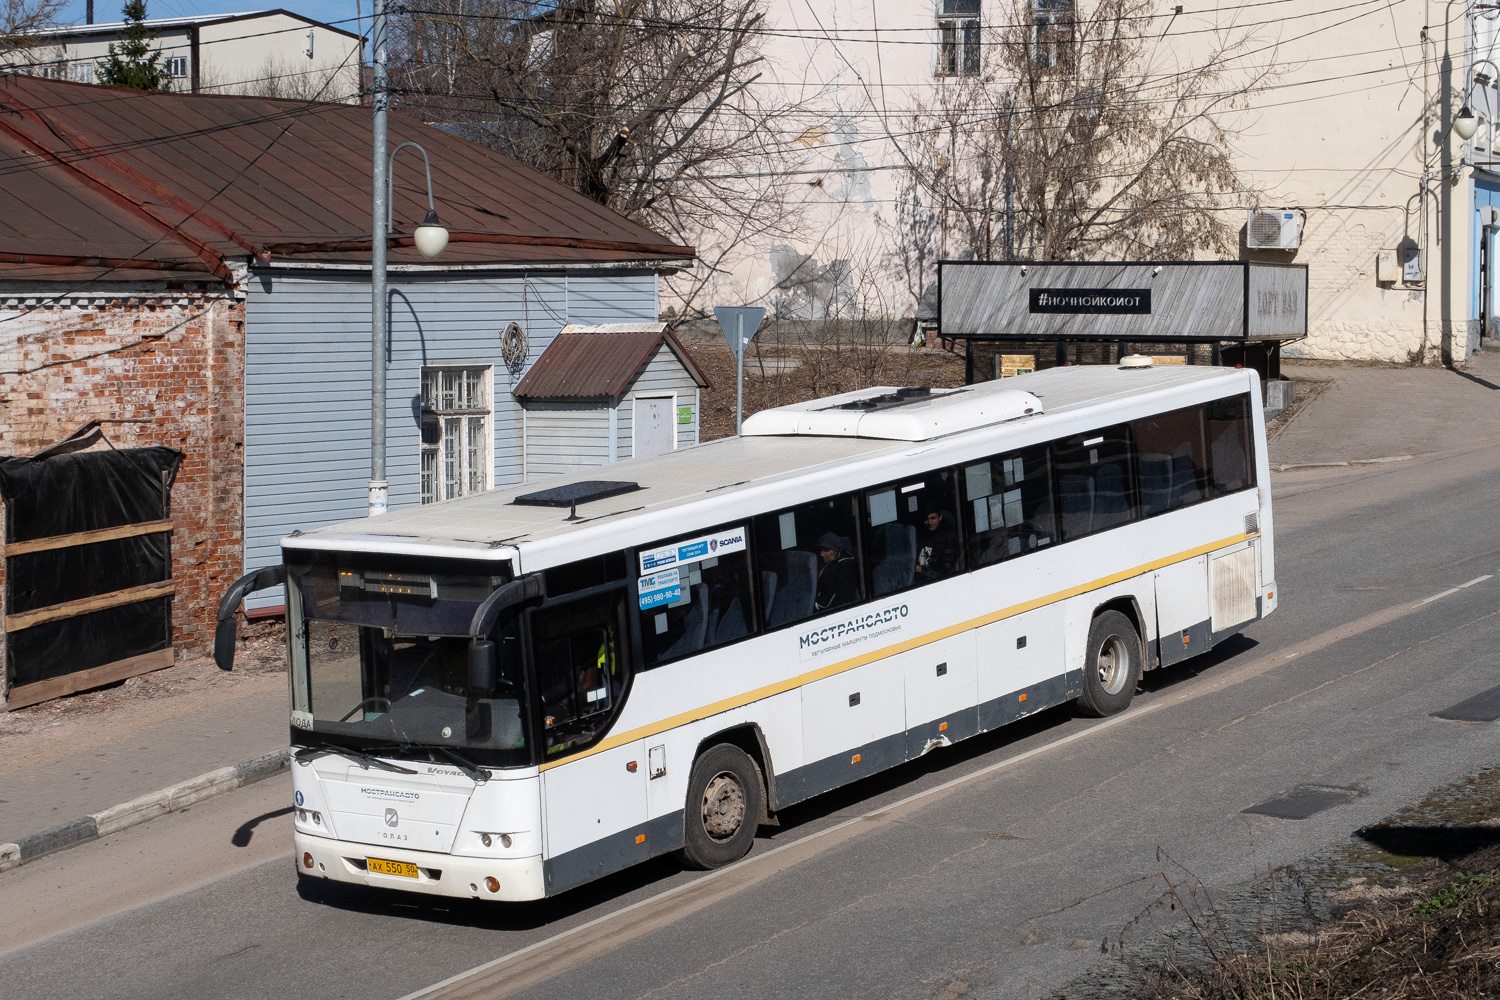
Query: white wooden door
(655, 431)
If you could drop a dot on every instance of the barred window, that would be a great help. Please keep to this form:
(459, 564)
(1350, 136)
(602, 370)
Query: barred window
(456, 432)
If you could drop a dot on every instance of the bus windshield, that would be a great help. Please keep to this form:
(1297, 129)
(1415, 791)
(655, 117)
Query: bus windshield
(379, 653)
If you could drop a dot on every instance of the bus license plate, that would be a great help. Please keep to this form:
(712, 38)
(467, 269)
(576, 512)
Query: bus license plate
(384, 867)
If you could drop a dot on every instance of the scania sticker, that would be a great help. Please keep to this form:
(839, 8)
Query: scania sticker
(820, 642)
(694, 549)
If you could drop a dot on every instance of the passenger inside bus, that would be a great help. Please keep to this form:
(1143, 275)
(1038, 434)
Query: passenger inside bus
(913, 536)
(937, 547)
(838, 573)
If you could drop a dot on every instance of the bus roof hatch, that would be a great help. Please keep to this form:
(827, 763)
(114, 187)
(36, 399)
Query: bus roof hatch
(887, 413)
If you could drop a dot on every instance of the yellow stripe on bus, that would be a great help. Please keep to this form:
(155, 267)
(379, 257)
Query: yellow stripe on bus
(781, 687)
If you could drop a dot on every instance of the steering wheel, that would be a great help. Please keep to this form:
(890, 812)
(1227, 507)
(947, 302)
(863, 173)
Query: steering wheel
(368, 701)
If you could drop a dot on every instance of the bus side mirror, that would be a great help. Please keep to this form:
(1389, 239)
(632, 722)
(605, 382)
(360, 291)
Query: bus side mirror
(482, 666)
(224, 632)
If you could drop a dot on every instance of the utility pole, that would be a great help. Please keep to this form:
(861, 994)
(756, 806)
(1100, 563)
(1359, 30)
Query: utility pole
(379, 229)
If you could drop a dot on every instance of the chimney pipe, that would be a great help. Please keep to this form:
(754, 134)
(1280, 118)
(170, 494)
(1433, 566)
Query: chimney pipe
(90, 15)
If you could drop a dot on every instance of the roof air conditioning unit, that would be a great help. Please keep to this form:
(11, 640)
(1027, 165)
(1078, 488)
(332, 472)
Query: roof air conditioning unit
(1273, 230)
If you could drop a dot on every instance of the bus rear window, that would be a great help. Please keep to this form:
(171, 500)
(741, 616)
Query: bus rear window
(1229, 446)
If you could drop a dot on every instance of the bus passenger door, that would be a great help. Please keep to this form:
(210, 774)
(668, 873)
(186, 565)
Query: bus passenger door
(1182, 612)
(942, 693)
(594, 804)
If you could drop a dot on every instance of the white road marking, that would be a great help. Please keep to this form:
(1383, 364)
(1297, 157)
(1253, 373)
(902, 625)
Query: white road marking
(1453, 590)
(757, 859)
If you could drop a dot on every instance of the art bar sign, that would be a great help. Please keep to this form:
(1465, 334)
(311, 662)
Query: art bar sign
(1092, 301)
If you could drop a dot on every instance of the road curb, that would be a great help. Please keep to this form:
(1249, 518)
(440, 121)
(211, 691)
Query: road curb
(142, 809)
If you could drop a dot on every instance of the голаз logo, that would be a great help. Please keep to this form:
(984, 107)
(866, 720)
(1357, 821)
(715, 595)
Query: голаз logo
(391, 819)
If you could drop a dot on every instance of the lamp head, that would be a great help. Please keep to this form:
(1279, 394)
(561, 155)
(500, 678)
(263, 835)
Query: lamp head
(1465, 124)
(430, 236)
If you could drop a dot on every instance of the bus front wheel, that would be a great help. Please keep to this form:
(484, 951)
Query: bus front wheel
(1112, 666)
(724, 804)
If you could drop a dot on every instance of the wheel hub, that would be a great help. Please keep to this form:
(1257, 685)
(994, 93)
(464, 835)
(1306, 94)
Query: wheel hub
(723, 806)
(1112, 664)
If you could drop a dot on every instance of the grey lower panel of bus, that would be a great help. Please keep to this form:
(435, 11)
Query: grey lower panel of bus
(833, 772)
(613, 853)
(1199, 639)
(664, 834)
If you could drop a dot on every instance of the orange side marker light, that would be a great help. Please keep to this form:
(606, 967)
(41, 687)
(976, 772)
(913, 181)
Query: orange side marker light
(1023, 697)
(640, 838)
(857, 758)
(1186, 639)
(942, 727)
(631, 767)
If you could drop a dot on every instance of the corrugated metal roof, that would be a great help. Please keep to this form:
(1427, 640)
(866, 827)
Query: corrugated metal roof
(181, 182)
(599, 362)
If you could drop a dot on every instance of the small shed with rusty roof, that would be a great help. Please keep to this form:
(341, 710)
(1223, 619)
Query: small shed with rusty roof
(605, 392)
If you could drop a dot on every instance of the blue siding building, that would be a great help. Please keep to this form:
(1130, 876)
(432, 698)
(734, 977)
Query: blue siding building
(307, 381)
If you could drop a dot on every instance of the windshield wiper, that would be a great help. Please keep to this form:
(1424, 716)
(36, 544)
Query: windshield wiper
(464, 764)
(360, 757)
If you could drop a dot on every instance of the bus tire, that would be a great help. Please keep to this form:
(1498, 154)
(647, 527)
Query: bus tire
(724, 803)
(1111, 667)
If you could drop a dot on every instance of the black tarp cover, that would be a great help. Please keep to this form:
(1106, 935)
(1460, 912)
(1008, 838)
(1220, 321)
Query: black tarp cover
(84, 491)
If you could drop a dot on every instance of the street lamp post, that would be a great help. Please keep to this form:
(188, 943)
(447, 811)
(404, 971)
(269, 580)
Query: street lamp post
(379, 227)
(430, 238)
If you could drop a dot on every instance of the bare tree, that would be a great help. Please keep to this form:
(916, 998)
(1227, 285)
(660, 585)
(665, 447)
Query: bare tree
(646, 106)
(1077, 141)
(278, 77)
(20, 20)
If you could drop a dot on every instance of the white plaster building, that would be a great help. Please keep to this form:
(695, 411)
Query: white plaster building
(271, 52)
(1352, 132)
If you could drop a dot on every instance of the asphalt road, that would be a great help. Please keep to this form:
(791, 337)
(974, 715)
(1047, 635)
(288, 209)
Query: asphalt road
(992, 869)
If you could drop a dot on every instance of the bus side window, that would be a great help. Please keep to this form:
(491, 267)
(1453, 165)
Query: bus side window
(1008, 505)
(1230, 451)
(806, 561)
(580, 667)
(699, 598)
(1171, 459)
(1095, 488)
(911, 532)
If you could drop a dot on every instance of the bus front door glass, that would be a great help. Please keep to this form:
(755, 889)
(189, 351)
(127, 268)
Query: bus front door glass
(580, 667)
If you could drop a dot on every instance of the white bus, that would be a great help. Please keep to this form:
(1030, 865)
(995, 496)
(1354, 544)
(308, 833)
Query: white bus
(507, 695)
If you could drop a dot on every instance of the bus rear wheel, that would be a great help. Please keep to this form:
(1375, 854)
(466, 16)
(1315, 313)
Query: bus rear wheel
(1112, 665)
(724, 803)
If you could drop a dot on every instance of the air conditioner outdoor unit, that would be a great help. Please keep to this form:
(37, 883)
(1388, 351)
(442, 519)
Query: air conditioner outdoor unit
(1273, 230)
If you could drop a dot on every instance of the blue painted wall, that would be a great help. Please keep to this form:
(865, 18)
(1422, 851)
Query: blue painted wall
(307, 381)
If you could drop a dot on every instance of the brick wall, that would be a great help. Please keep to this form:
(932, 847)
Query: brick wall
(155, 367)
